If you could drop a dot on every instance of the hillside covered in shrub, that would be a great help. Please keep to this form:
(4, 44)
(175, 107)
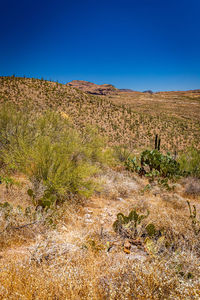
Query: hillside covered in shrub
(121, 117)
(93, 204)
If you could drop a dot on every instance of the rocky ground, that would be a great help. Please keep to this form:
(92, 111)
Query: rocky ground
(84, 258)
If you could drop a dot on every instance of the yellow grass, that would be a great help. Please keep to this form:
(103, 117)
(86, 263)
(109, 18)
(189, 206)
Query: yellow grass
(72, 261)
(73, 252)
(126, 118)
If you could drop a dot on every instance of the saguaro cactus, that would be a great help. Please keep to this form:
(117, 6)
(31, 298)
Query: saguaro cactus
(157, 142)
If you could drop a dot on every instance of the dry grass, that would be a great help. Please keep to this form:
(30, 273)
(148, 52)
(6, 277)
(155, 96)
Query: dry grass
(133, 120)
(73, 252)
(192, 186)
(117, 185)
(83, 258)
(86, 276)
(183, 104)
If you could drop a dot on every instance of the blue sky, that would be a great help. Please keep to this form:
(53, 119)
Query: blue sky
(138, 44)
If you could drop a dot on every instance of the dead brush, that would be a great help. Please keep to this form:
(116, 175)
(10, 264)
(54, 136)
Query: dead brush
(192, 186)
(19, 226)
(115, 184)
(60, 268)
(174, 200)
(90, 276)
(193, 216)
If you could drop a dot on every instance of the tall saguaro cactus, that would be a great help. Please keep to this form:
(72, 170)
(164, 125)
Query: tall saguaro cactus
(157, 142)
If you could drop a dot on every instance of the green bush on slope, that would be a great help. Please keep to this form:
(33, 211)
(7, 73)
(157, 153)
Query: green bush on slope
(50, 151)
(158, 164)
(190, 162)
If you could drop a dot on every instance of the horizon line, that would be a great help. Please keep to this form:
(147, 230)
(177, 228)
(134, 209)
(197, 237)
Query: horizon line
(124, 88)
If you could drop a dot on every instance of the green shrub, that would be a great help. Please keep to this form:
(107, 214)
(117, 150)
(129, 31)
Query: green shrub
(132, 165)
(190, 162)
(158, 164)
(13, 125)
(51, 152)
(122, 153)
(95, 147)
(164, 164)
(8, 181)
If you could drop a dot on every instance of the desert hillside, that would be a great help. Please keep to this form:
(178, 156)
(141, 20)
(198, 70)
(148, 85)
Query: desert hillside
(103, 211)
(126, 118)
(181, 105)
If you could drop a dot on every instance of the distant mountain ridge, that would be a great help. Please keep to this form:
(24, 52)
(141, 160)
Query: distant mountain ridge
(110, 89)
(92, 88)
(127, 90)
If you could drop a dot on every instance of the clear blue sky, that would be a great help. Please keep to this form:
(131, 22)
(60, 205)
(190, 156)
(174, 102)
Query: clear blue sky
(138, 44)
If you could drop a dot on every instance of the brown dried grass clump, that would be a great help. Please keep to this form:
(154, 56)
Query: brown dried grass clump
(117, 184)
(192, 186)
(89, 276)
(81, 260)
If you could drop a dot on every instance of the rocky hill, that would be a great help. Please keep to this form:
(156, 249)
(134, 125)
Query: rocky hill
(126, 118)
(133, 236)
(92, 88)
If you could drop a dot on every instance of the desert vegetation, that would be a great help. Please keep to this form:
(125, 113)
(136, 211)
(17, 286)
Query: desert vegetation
(121, 121)
(94, 204)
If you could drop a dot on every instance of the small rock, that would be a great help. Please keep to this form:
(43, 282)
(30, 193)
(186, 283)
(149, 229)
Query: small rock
(127, 247)
(89, 211)
(120, 199)
(127, 251)
(88, 221)
(87, 216)
(136, 242)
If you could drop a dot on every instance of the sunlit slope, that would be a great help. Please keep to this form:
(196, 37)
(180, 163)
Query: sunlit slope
(121, 122)
(180, 104)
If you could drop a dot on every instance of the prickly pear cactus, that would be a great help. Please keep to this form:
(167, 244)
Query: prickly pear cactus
(151, 230)
(128, 223)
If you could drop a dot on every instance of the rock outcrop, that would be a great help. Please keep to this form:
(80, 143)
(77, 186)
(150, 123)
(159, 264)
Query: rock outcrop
(92, 88)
